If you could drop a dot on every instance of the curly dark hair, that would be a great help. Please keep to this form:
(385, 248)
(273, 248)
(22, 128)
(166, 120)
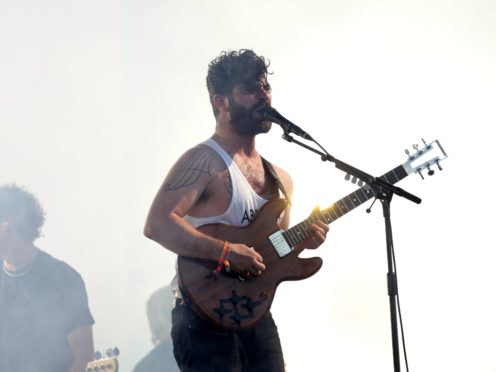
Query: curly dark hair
(23, 209)
(231, 68)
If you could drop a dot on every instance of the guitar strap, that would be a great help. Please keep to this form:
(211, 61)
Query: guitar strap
(275, 179)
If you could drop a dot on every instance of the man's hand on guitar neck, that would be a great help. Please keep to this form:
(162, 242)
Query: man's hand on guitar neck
(320, 230)
(245, 260)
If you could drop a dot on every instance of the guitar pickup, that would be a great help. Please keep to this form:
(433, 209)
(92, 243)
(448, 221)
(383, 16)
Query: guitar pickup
(280, 244)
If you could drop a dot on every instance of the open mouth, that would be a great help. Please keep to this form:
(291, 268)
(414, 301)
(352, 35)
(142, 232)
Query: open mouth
(258, 111)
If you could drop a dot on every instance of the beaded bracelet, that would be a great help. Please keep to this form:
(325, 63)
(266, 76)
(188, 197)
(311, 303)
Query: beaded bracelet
(223, 258)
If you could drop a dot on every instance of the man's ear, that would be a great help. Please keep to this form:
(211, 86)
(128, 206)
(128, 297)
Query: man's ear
(220, 102)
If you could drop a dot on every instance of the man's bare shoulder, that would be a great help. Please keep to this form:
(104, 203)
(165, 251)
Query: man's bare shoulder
(197, 163)
(285, 178)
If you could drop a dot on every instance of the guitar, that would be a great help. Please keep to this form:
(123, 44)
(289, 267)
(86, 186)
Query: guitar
(235, 304)
(108, 364)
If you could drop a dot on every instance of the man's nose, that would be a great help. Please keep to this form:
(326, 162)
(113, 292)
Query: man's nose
(263, 94)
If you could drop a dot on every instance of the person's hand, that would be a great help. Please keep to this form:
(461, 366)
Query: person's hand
(319, 233)
(245, 260)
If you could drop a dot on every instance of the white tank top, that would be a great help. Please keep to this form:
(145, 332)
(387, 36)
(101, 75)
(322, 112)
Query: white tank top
(243, 208)
(245, 202)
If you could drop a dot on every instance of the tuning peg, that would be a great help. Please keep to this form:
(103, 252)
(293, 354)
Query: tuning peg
(430, 171)
(438, 165)
(415, 146)
(112, 353)
(354, 180)
(347, 177)
(360, 183)
(420, 172)
(97, 355)
(407, 152)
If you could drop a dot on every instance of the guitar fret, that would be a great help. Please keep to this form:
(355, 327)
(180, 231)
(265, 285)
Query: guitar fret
(296, 234)
(398, 178)
(340, 205)
(349, 204)
(287, 236)
(400, 172)
(354, 199)
(306, 229)
(328, 217)
(292, 236)
(369, 192)
(332, 215)
(389, 178)
(335, 210)
(301, 231)
(362, 196)
(394, 177)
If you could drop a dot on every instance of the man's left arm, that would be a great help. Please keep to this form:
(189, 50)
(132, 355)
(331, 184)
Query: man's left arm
(81, 343)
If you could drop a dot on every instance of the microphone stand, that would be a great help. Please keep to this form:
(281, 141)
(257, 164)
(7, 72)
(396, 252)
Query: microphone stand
(384, 192)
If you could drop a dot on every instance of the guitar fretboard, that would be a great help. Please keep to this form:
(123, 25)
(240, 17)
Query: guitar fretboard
(302, 230)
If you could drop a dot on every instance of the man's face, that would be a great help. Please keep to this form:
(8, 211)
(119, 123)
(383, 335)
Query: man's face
(244, 104)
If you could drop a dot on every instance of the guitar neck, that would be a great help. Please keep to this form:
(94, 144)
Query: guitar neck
(301, 231)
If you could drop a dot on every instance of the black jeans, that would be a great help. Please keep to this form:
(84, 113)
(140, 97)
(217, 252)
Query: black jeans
(199, 346)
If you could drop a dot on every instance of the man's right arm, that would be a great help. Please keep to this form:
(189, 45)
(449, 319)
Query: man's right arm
(182, 188)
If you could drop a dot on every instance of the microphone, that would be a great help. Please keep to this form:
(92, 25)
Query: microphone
(271, 114)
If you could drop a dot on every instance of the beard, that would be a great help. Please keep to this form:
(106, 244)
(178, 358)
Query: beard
(244, 120)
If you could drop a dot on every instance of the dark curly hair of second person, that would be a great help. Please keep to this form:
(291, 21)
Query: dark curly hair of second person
(231, 68)
(23, 209)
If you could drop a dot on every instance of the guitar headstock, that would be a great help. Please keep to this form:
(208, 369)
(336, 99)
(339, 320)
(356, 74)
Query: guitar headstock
(108, 363)
(426, 157)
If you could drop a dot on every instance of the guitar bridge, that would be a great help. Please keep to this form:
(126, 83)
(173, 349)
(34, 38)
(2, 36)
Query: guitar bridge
(280, 244)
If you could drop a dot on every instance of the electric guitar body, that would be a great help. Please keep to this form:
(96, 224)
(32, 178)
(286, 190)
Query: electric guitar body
(228, 300)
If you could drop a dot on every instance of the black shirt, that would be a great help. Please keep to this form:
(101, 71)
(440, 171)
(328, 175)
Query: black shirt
(37, 312)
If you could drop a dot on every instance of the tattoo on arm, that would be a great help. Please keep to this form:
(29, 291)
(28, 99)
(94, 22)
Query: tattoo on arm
(228, 183)
(189, 172)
